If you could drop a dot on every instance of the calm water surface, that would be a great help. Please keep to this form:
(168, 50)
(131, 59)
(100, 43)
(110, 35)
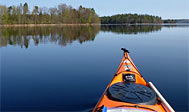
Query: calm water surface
(68, 68)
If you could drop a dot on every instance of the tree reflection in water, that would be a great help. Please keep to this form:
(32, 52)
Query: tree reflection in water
(132, 29)
(62, 35)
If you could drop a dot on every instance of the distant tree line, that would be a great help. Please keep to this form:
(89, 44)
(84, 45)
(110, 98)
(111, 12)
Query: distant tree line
(169, 21)
(130, 19)
(62, 14)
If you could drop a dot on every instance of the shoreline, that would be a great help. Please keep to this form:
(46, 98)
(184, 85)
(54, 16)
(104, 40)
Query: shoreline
(43, 25)
(38, 25)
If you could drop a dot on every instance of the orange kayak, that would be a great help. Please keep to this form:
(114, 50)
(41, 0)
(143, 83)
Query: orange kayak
(129, 92)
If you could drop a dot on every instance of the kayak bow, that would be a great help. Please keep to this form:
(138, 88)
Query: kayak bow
(128, 91)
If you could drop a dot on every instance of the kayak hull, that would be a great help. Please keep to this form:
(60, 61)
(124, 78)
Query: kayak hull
(127, 67)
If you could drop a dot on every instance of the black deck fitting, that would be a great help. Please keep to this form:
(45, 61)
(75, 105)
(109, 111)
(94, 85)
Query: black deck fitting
(125, 50)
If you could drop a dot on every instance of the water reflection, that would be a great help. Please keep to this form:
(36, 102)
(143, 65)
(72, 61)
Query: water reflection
(62, 35)
(133, 29)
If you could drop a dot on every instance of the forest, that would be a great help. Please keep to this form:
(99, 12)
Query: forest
(170, 21)
(130, 19)
(62, 14)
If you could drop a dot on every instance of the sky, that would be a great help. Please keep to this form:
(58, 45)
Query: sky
(167, 9)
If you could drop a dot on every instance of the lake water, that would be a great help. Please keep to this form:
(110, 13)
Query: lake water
(67, 68)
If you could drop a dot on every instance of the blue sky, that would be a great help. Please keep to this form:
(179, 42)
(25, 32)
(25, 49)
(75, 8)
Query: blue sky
(175, 9)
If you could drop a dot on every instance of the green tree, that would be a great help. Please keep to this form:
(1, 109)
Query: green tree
(35, 13)
(25, 12)
(3, 15)
(25, 9)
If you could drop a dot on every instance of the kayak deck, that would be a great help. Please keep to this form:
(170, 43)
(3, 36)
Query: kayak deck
(132, 76)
